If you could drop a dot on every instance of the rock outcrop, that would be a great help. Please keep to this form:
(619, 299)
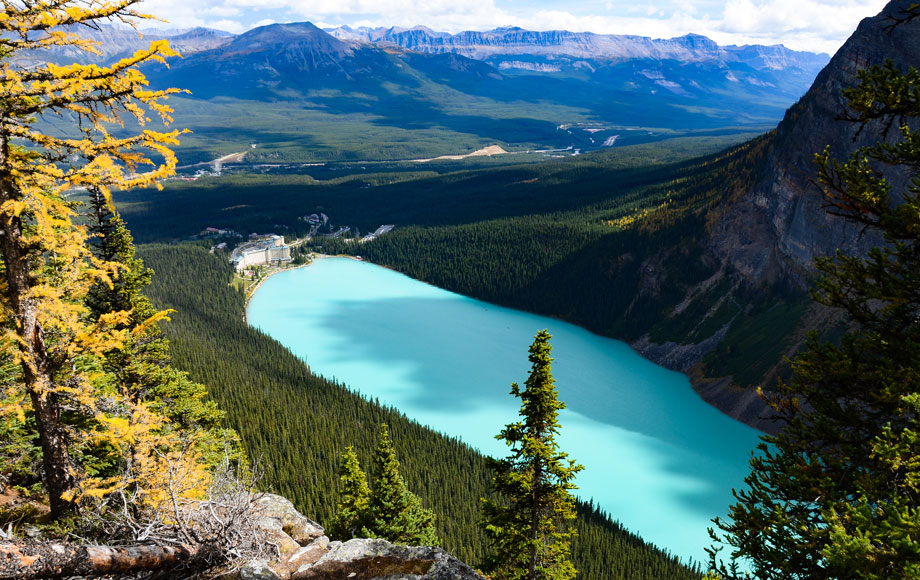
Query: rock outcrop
(304, 553)
(364, 559)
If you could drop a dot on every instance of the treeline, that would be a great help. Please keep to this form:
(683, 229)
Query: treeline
(295, 425)
(366, 196)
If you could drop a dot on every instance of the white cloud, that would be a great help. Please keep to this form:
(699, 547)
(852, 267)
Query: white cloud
(177, 13)
(228, 25)
(222, 11)
(447, 15)
(817, 20)
(816, 25)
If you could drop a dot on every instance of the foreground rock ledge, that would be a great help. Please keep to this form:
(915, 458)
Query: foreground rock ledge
(302, 549)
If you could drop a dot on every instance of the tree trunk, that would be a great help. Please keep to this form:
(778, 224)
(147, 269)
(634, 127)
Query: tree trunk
(23, 560)
(35, 361)
(58, 477)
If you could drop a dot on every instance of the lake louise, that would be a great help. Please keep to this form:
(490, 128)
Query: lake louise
(656, 457)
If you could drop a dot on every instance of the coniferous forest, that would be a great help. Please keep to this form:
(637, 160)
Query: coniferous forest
(507, 236)
(296, 425)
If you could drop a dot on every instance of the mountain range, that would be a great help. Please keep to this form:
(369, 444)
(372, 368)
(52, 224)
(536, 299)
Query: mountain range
(498, 45)
(308, 94)
(688, 69)
(479, 45)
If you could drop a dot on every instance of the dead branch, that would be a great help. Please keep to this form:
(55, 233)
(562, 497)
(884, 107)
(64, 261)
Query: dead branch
(26, 559)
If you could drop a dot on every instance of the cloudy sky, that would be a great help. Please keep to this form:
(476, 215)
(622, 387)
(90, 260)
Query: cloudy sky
(816, 25)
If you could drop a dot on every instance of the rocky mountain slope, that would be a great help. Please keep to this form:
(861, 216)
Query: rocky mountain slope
(764, 237)
(780, 225)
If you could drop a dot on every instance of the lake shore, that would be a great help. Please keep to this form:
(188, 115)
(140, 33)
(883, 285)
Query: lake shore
(744, 406)
(251, 291)
(409, 343)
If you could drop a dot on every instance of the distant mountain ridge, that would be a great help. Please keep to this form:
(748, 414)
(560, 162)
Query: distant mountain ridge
(532, 95)
(115, 42)
(518, 41)
(479, 45)
(508, 86)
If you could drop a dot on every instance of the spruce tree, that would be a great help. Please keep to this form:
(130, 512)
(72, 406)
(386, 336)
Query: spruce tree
(396, 514)
(837, 493)
(529, 527)
(352, 508)
(141, 364)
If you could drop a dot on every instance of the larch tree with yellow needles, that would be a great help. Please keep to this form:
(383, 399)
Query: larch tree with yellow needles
(47, 267)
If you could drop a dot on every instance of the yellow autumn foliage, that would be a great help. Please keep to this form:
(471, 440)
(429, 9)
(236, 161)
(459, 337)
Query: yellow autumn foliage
(47, 267)
(638, 215)
(162, 465)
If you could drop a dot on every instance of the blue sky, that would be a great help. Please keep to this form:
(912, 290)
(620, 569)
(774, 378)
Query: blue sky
(816, 25)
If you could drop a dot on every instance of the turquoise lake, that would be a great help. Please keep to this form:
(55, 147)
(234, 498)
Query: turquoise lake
(656, 457)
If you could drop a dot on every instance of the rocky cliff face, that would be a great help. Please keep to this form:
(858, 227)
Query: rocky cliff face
(482, 45)
(769, 233)
(780, 225)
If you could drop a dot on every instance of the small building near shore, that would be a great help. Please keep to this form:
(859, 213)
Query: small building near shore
(264, 252)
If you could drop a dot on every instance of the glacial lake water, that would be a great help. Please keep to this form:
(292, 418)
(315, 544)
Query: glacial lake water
(656, 457)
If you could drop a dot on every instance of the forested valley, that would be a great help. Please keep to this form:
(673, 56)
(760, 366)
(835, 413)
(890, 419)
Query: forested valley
(505, 235)
(296, 425)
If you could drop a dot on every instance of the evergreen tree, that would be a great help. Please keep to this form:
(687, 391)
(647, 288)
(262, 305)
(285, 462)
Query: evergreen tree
(141, 364)
(352, 508)
(396, 514)
(112, 242)
(837, 493)
(530, 527)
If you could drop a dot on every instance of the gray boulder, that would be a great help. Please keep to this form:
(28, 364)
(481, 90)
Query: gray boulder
(364, 559)
(274, 512)
(256, 570)
(306, 554)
